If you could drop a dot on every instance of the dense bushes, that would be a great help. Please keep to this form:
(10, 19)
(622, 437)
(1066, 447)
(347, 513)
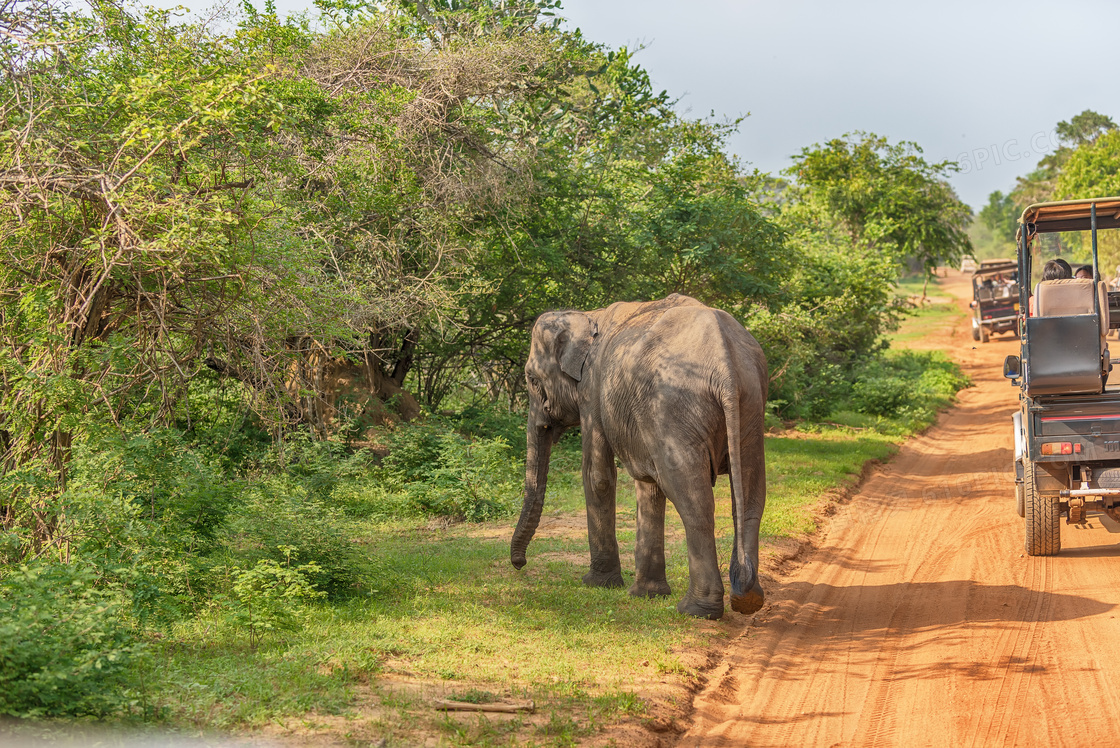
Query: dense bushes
(65, 647)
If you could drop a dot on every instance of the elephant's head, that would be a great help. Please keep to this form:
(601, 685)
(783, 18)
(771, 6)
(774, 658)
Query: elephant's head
(557, 364)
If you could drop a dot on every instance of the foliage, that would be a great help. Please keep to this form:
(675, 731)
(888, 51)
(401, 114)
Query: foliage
(268, 597)
(1044, 182)
(283, 519)
(276, 204)
(1001, 216)
(433, 470)
(64, 650)
(887, 197)
(1092, 170)
(908, 386)
(627, 200)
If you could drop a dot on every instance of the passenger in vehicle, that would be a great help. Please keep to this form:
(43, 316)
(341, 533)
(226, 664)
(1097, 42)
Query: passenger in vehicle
(1085, 271)
(1057, 269)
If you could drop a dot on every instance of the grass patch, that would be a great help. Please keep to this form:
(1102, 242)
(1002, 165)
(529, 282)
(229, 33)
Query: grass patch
(800, 470)
(450, 618)
(460, 620)
(924, 321)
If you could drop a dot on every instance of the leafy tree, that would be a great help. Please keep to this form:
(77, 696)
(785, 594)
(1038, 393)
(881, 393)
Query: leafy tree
(279, 205)
(1093, 170)
(887, 197)
(1040, 185)
(626, 201)
(1084, 128)
(1000, 215)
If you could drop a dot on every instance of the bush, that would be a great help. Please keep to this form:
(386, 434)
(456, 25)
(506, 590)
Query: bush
(907, 385)
(881, 395)
(270, 597)
(433, 470)
(282, 520)
(64, 650)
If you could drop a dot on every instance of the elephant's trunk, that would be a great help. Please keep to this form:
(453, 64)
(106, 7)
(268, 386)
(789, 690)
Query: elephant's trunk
(538, 450)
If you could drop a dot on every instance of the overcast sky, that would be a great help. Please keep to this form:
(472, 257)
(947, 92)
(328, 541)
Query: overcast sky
(982, 83)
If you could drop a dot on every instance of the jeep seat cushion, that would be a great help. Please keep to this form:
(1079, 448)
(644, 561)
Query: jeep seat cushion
(1060, 298)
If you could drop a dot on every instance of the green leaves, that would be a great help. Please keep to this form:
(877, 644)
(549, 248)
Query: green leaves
(63, 648)
(887, 197)
(270, 597)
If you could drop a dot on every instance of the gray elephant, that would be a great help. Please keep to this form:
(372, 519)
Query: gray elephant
(674, 390)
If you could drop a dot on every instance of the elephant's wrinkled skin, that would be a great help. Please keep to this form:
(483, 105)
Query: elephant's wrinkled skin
(675, 390)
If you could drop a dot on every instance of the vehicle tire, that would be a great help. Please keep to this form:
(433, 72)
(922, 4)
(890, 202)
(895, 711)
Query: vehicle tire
(975, 331)
(1043, 516)
(1020, 507)
(983, 334)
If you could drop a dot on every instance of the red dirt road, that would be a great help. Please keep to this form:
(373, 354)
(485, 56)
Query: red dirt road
(920, 621)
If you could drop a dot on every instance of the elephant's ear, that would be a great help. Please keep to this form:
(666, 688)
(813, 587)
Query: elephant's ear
(573, 352)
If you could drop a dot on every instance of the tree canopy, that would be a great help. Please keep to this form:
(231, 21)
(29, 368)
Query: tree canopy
(887, 197)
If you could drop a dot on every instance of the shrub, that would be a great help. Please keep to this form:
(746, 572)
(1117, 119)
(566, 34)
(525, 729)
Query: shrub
(433, 470)
(281, 513)
(270, 596)
(907, 385)
(64, 649)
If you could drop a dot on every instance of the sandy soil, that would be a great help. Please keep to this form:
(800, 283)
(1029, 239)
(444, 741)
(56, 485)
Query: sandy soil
(918, 619)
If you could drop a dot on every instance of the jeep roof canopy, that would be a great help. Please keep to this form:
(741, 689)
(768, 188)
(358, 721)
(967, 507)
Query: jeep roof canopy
(1071, 215)
(999, 266)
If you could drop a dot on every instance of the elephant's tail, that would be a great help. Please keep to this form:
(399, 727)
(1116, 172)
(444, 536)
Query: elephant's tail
(743, 575)
(746, 592)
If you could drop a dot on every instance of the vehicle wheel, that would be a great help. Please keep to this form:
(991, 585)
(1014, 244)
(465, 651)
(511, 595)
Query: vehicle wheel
(983, 334)
(1020, 509)
(975, 330)
(1043, 518)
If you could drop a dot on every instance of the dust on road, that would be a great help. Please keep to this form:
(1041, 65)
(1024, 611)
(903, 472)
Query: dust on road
(920, 620)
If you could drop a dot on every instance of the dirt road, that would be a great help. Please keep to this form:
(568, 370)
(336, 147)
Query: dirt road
(920, 620)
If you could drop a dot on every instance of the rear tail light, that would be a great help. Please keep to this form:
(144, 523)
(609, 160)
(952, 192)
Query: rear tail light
(1060, 448)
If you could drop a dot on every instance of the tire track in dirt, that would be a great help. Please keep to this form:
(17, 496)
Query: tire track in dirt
(919, 620)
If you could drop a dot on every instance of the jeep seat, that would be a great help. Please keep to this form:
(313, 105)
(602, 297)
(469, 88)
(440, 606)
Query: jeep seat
(1068, 349)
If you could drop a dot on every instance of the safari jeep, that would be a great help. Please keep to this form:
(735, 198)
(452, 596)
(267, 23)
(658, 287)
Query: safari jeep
(1067, 430)
(995, 298)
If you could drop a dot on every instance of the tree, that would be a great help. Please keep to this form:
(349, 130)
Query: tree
(1041, 184)
(625, 200)
(1000, 215)
(278, 205)
(887, 197)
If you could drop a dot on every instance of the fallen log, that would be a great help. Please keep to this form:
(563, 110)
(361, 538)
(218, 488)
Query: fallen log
(464, 706)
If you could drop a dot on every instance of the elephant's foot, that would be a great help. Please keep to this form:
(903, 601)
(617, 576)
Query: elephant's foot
(603, 579)
(700, 609)
(650, 588)
(750, 601)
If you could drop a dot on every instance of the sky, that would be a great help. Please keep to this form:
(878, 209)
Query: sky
(981, 83)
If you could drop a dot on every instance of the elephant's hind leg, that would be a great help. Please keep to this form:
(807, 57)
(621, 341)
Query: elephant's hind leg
(692, 496)
(649, 547)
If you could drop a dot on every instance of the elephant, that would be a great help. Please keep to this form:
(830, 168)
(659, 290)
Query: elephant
(676, 391)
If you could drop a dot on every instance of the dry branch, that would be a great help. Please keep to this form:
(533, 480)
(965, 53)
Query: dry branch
(512, 707)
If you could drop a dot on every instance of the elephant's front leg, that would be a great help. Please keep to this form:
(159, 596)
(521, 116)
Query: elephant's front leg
(649, 548)
(600, 479)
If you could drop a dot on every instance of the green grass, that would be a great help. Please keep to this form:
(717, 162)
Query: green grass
(800, 470)
(912, 285)
(924, 321)
(454, 615)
